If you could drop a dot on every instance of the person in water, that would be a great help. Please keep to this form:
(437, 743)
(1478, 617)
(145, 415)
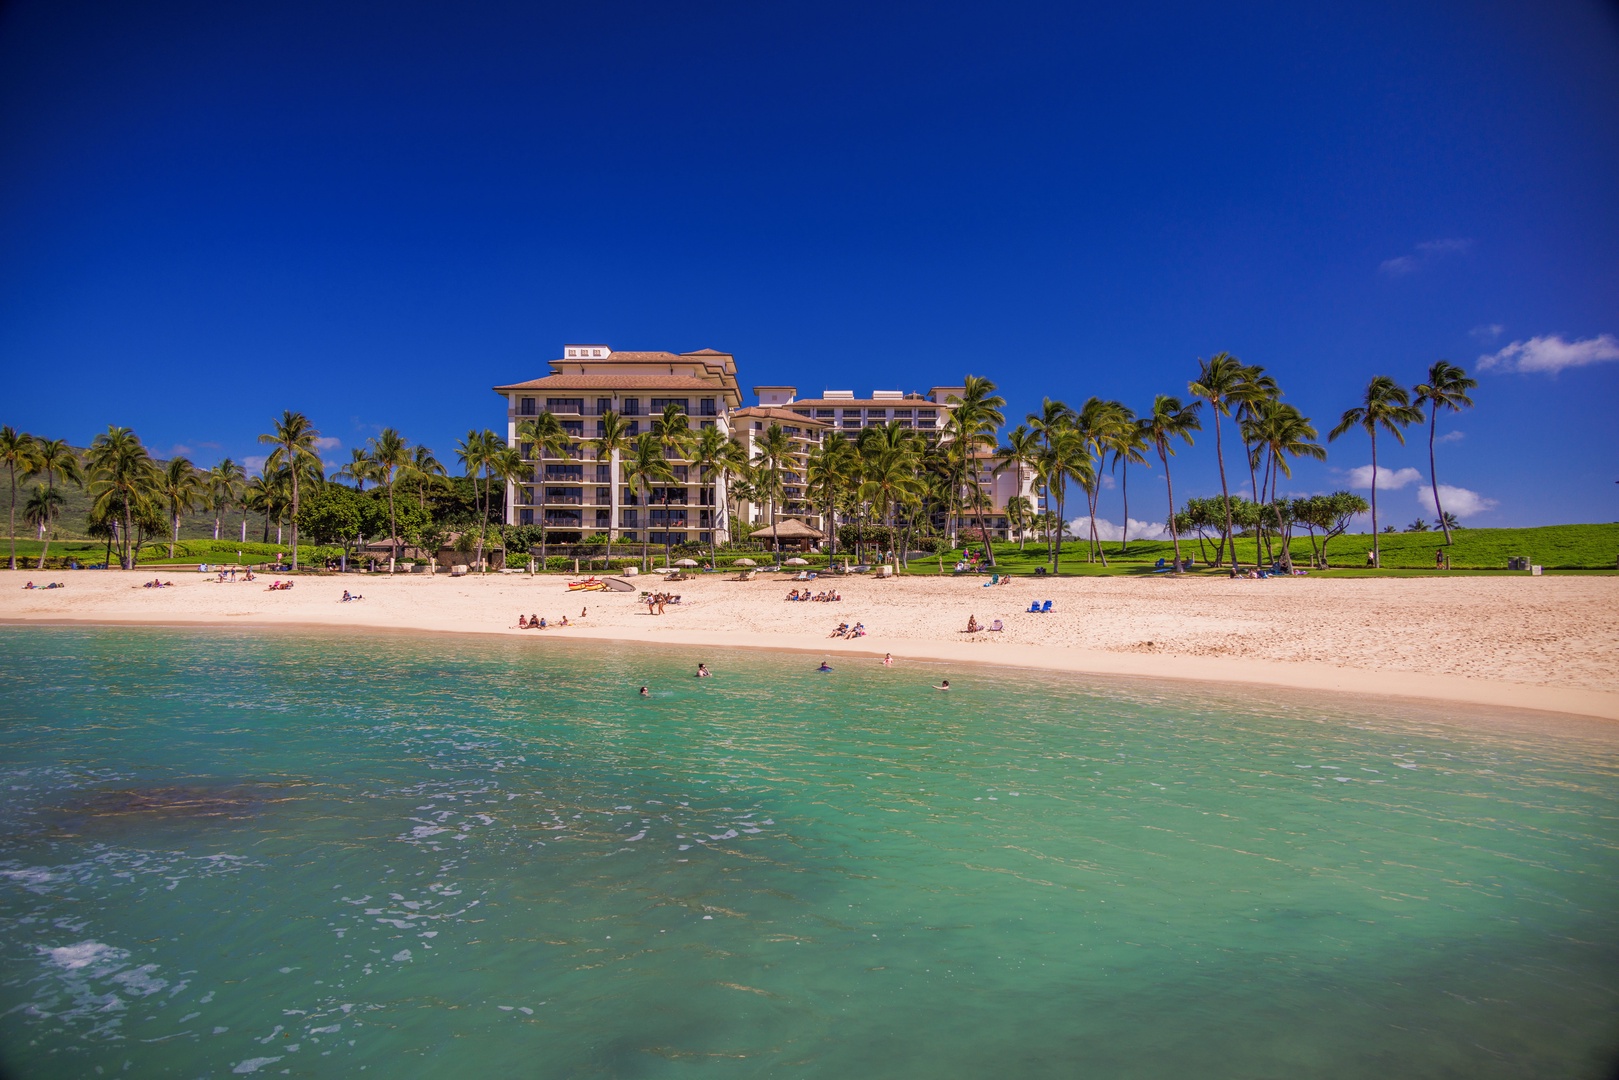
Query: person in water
(888, 659)
(702, 671)
(824, 668)
(944, 686)
(645, 692)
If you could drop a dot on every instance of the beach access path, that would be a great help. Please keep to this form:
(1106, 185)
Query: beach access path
(1548, 643)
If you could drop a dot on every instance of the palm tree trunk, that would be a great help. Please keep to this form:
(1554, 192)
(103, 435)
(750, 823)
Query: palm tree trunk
(174, 536)
(11, 530)
(294, 521)
(127, 555)
(1433, 473)
(393, 525)
(1174, 536)
(1124, 491)
(1096, 537)
(1377, 554)
(1225, 492)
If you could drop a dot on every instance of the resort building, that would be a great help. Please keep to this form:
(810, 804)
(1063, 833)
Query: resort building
(578, 496)
(804, 433)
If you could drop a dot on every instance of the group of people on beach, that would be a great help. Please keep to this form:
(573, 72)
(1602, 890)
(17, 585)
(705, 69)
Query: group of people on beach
(227, 574)
(52, 585)
(702, 672)
(830, 596)
(844, 630)
(534, 622)
(279, 586)
(657, 601)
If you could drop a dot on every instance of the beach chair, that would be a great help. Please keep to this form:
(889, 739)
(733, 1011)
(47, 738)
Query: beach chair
(1046, 607)
(996, 627)
(1034, 607)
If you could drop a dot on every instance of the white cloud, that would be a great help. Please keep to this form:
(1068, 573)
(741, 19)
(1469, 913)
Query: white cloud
(1387, 479)
(328, 442)
(255, 463)
(1488, 333)
(179, 450)
(1111, 532)
(1451, 436)
(1108, 483)
(1551, 353)
(1459, 501)
(1426, 252)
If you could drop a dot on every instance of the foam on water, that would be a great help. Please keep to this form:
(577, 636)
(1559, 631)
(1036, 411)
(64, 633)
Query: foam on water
(486, 858)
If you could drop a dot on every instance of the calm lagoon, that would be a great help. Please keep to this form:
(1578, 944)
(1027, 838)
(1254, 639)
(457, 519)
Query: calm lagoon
(321, 854)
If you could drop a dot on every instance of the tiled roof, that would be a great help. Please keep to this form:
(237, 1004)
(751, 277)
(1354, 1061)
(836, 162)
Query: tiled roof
(706, 352)
(688, 383)
(778, 412)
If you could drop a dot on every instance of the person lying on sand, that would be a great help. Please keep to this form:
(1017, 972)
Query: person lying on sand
(30, 585)
(347, 596)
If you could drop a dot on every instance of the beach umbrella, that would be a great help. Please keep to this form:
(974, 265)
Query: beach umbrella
(745, 562)
(685, 562)
(797, 562)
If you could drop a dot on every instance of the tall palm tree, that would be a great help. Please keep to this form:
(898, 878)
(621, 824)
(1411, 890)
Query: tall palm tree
(890, 477)
(1021, 452)
(1221, 381)
(1446, 388)
(1386, 405)
(1254, 393)
(714, 457)
(1019, 513)
(17, 449)
(294, 441)
(1053, 418)
(1171, 420)
(973, 426)
(1099, 424)
(224, 486)
(53, 458)
(181, 487)
(1285, 433)
(644, 465)
(474, 452)
(1068, 459)
(508, 466)
(1128, 445)
(774, 457)
(611, 443)
(389, 453)
(123, 482)
(673, 431)
(268, 494)
(548, 438)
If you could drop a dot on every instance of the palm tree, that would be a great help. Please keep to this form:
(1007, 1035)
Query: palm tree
(423, 471)
(1022, 453)
(548, 438)
(1052, 419)
(714, 457)
(1254, 393)
(972, 425)
(1068, 459)
(17, 454)
(123, 480)
(389, 453)
(1098, 424)
(775, 454)
(611, 443)
(359, 468)
(1171, 420)
(673, 431)
(644, 465)
(181, 487)
(268, 494)
(1386, 405)
(1128, 444)
(1446, 388)
(294, 441)
(1019, 513)
(1284, 433)
(890, 477)
(508, 466)
(1220, 381)
(224, 486)
(475, 452)
(53, 458)
(44, 506)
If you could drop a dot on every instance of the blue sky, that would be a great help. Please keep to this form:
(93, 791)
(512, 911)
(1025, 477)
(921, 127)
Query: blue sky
(374, 213)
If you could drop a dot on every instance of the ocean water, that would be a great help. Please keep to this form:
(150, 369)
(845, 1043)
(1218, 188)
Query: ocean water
(332, 855)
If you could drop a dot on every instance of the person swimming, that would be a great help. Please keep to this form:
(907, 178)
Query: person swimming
(645, 692)
(944, 686)
(702, 671)
(824, 668)
(888, 659)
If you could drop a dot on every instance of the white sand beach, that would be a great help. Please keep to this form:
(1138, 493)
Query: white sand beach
(1547, 643)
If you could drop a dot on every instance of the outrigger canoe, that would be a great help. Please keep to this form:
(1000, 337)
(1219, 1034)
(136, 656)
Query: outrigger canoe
(589, 584)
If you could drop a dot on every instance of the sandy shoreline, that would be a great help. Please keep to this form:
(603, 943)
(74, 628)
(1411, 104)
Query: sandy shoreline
(1545, 643)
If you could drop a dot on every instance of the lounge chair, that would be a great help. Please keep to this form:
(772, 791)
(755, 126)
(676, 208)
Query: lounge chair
(996, 627)
(1046, 607)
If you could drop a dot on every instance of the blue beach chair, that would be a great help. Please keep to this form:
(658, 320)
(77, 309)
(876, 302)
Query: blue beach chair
(1046, 608)
(1034, 607)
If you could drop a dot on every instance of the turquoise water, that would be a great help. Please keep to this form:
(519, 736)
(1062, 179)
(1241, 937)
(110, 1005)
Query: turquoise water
(327, 855)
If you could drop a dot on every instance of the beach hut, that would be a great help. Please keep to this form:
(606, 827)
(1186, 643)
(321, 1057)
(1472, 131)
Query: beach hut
(789, 533)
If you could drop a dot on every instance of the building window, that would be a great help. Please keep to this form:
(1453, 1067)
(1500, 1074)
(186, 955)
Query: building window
(825, 414)
(604, 519)
(525, 406)
(604, 496)
(628, 516)
(706, 538)
(682, 472)
(604, 474)
(604, 404)
(705, 424)
(568, 496)
(565, 405)
(707, 407)
(632, 406)
(564, 472)
(525, 517)
(635, 427)
(659, 403)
